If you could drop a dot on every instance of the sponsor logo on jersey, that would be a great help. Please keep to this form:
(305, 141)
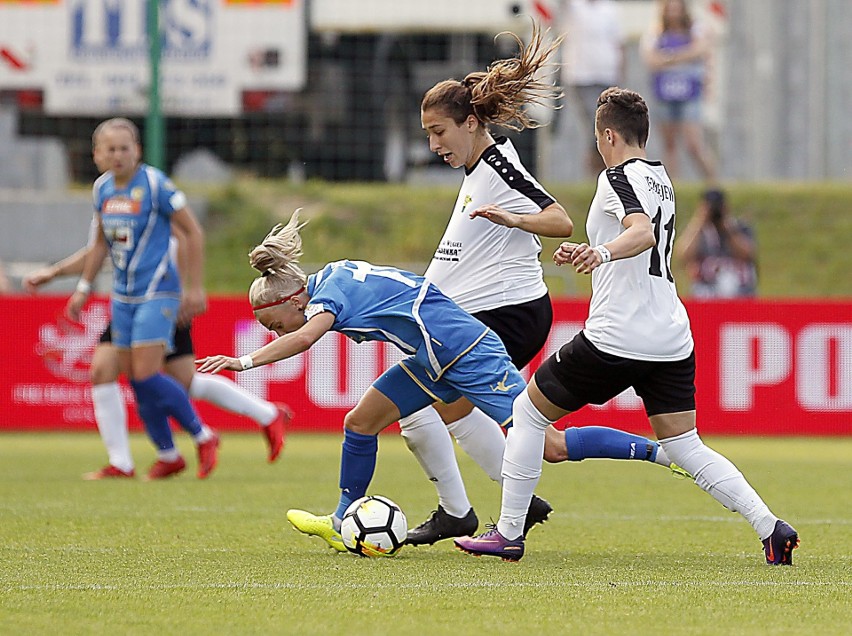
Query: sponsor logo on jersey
(121, 205)
(448, 251)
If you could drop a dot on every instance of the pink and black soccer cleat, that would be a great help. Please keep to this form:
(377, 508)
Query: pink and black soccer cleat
(778, 547)
(492, 543)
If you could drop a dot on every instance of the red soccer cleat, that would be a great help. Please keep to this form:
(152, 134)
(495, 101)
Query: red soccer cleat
(161, 469)
(109, 472)
(276, 432)
(208, 456)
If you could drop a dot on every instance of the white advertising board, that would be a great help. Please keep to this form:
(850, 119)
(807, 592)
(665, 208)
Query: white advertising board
(90, 57)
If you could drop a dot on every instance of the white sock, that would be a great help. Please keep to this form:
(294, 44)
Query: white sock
(483, 439)
(111, 417)
(427, 437)
(230, 396)
(521, 465)
(204, 435)
(662, 457)
(716, 475)
(170, 455)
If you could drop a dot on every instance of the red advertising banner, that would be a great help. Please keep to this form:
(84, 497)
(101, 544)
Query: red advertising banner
(764, 368)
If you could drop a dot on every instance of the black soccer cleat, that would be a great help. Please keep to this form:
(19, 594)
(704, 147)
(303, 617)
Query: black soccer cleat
(538, 512)
(778, 547)
(441, 525)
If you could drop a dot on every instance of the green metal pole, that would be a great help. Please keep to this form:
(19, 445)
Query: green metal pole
(154, 129)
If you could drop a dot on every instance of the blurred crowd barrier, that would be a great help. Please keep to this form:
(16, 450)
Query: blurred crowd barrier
(763, 368)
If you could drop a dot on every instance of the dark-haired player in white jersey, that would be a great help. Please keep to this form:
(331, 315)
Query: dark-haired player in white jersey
(488, 263)
(637, 335)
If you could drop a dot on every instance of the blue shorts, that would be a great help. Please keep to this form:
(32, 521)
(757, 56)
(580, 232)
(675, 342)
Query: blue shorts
(149, 322)
(484, 375)
(678, 112)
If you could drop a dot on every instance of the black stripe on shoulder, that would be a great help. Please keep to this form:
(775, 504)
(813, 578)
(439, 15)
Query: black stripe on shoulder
(618, 181)
(514, 178)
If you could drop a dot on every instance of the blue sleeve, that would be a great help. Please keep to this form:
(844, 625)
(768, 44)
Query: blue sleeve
(169, 198)
(329, 297)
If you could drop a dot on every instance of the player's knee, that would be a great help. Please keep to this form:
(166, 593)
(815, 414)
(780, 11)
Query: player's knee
(102, 372)
(355, 423)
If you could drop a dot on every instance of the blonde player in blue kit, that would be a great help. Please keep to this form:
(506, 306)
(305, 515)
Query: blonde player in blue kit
(135, 207)
(451, 353)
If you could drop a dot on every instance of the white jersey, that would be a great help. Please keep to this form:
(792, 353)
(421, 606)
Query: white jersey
(482, 265)
(635, 312)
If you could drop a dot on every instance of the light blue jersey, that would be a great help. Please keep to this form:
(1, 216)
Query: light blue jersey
(392, 305)
(453, 355)
(136, 222)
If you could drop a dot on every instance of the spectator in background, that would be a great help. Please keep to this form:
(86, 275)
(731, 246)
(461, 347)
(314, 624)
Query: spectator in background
(675, 51)
(592, 60)
(5, 283)
(719, 251)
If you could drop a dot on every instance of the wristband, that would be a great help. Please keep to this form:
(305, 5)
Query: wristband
(246, 362)
(604, 253)
(84, 286)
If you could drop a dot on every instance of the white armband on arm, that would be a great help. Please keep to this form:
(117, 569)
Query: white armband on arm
(246, 362)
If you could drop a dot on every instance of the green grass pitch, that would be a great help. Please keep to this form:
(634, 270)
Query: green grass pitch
(628, 550)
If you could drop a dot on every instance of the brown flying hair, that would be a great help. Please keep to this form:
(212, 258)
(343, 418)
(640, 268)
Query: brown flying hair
(499, 94)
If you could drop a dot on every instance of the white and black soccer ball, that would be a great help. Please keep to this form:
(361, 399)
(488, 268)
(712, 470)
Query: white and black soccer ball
(374, 526)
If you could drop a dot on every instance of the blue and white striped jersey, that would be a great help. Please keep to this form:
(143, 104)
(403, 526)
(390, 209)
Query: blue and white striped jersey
(136, 222)
(388, 304)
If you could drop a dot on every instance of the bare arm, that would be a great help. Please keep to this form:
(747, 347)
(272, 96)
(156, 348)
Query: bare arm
(281, 348)
(68, 266)
(184, 313)
(742, 245)
(637, 237)
(686, 247)
(191, 240)
(182, 254)
(657, 59)
(552, 221)
(92, 265)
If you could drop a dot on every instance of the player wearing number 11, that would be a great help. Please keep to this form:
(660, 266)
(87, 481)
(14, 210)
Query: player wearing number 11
(637, 335)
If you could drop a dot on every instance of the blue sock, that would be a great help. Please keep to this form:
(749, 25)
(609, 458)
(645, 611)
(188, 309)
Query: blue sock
(357, 465)
(601, 442)
(153, 415)
(173, 399)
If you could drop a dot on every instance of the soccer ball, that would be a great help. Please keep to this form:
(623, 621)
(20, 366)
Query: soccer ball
(374, 526)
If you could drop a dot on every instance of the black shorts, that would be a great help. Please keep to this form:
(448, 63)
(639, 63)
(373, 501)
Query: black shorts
(580, 374)
(182, 344)
(522, 328)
